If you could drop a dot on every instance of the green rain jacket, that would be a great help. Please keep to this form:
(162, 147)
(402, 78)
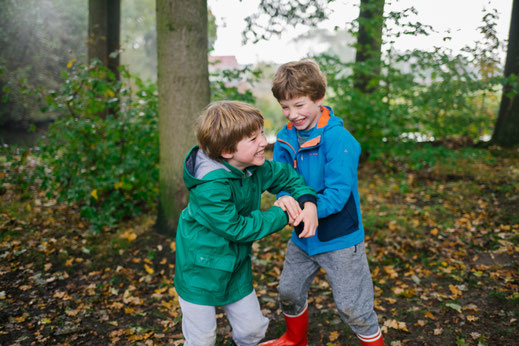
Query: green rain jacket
(216, 230)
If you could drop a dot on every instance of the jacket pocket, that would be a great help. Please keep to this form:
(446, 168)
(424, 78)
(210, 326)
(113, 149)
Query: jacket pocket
(339, 224)
(211, 272)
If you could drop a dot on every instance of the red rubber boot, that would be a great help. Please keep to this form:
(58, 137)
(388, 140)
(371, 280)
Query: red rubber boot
(296, 334)
(372, 340)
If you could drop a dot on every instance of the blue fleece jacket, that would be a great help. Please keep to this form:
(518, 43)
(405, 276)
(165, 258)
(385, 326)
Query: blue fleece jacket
(328, 161)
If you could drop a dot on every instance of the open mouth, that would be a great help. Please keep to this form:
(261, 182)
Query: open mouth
(299, 122)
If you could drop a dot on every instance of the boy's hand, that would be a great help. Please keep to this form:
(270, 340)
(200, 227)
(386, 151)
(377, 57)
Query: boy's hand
(290, 205)
(309, 217)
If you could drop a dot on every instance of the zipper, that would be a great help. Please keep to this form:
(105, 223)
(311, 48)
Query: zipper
(291, 147)
(318, 138)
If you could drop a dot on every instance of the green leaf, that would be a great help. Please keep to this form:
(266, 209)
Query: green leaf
(454, 306)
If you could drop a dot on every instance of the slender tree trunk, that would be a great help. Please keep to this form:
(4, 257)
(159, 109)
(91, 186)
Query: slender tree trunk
(369, 45)
(183, 83)
(114, 35)
(506, 131)
(104, 22)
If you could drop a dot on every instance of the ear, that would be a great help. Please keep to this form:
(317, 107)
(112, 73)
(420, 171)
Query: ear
(320, 101)
(227, 155)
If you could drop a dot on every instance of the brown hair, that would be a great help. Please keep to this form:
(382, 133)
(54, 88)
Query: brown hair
(299, 78)
(223, 124)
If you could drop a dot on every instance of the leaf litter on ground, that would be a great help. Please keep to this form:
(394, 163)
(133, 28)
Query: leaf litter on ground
(442, 242)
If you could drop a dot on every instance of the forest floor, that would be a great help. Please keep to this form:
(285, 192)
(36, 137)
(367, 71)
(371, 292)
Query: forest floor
(442, 242)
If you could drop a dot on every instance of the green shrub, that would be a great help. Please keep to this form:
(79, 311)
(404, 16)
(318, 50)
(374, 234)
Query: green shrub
(102, 155)
(437, 99)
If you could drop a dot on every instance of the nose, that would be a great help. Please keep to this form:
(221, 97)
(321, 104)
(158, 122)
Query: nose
(291, 115)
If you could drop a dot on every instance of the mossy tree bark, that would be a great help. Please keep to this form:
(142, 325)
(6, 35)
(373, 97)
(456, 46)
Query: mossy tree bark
(369, 45)
(104, 26)
(183, 84)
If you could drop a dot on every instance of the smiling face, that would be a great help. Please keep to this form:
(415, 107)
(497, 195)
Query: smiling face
(250, 151)
(302, 111)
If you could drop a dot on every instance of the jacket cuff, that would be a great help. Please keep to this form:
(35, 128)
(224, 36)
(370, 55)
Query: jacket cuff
(307, 198)
(288, 219)
(282, 193)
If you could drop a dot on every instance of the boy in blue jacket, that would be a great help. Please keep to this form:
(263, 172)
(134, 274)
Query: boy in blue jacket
(327, 155)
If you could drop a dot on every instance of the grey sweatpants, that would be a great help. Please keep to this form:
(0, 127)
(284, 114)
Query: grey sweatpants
(349, 277)
(248, 323)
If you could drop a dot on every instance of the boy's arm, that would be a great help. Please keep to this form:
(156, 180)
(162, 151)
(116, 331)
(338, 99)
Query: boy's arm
(279, 177)
(284, 177)
(339, 173)
(217, 212)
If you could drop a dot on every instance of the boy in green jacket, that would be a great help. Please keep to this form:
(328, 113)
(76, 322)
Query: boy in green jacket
(226, 175)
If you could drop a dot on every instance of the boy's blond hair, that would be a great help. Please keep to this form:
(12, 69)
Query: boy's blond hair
(223, 124)
(299, 78)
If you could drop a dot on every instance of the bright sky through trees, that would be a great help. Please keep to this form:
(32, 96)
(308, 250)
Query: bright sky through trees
(460, 17)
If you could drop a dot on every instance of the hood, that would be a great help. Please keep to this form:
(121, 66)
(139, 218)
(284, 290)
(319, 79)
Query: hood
(200, 168)
(334, 121)
(326, 121)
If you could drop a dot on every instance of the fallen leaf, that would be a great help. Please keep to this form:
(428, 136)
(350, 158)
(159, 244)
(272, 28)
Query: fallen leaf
(396, 325)
(475, 335)
(471, 307)
(71, 313)
(129, 235)
(390, 271)
(19, 319)
(454, 306)
(455, 290)
(148, 269)
(429, 315)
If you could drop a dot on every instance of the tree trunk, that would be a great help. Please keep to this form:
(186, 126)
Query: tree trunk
(506, 131)
(369, 45)
(104, 22)
(183, 84)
